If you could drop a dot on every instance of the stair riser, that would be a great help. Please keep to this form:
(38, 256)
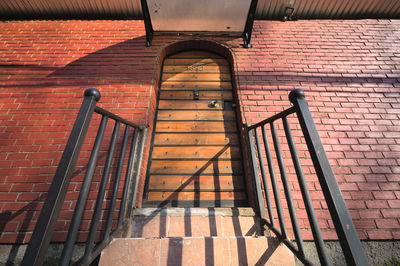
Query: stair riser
(194, 226)
(197, 251)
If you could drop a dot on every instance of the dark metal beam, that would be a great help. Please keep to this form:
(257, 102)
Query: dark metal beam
(249, 24)
(147, 23)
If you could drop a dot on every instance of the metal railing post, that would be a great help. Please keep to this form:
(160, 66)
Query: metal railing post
(41, 237)
(257, 183)
(346, 232)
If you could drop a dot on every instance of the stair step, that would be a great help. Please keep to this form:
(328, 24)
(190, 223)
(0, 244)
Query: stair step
(216, 203)
(150, 212)
(237, 250)
(194, 222)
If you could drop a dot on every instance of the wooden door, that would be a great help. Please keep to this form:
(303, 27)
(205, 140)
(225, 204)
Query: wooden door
(196, 157)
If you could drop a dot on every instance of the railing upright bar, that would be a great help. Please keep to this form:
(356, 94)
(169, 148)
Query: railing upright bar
(41, 237)
(100, 196)
(264, 178)
(80, 205)
(274, 184)
(260, 198)
(286, 188)
(96, 251)
(116, 184)
(319, 243)
(127, 176)
(293, 248)
(346, 232)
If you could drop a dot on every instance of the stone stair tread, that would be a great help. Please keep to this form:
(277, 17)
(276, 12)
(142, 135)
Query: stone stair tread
(190, 222)
(150, 212)
(232, 250)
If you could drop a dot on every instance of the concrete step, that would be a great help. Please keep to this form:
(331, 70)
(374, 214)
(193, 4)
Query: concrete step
(234, 250)
(194, 222)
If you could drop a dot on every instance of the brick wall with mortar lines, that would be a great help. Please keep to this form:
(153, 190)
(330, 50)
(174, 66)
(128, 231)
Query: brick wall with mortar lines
(349, 69)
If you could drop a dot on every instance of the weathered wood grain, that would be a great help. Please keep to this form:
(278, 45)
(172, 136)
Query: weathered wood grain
(196, 139)
(196, 152)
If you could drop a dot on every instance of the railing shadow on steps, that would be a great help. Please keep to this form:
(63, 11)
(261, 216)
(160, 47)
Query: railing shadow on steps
(45, 225)
(347, 235)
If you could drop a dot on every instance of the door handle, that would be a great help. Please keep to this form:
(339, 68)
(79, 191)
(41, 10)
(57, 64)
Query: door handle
(214, 104)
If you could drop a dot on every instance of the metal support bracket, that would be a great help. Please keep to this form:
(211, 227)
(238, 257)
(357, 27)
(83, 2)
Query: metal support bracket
(249, 24)
(147, 23)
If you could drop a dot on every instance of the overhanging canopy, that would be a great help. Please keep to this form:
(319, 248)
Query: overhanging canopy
(199, 15)
(180, 16)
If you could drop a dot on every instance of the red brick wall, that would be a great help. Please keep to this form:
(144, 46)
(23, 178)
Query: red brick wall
(45, 67)
(349, 70)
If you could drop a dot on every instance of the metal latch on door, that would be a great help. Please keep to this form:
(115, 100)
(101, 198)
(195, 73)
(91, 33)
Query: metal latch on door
(196, 95)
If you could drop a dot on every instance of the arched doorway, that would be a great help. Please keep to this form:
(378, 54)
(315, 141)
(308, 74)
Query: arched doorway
(196, 160)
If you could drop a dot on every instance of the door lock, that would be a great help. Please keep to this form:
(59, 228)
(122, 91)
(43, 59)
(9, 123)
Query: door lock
(214, 104)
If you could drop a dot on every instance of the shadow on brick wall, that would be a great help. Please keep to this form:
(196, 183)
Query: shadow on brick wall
(7, 216)
(125, 62)
(319, 81)
(46, 91)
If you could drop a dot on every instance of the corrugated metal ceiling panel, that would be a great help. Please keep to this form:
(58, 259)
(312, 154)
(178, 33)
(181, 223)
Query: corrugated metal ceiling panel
(81, 9)
(329, 9)
(266, 9)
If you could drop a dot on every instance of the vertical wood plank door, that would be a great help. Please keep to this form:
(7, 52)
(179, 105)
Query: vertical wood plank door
(196, 160)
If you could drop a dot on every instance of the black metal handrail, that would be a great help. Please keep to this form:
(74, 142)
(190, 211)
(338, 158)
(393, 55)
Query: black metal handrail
(342, 221)
(45, 226)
